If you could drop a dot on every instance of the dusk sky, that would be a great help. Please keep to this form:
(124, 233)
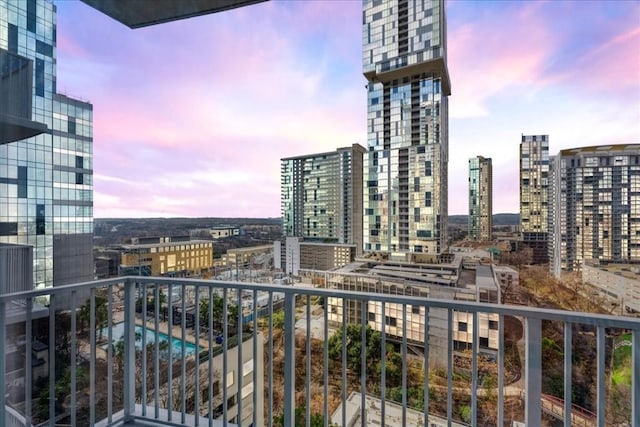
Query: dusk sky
(191, 118)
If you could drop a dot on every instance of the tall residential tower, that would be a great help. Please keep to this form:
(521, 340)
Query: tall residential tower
(534, 195)
(405, 174)
(46, 150)
(480, 199)
(595, 207)
(322, 196)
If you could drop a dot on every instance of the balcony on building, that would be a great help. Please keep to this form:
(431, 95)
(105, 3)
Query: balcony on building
(178, 351)
(16, 81)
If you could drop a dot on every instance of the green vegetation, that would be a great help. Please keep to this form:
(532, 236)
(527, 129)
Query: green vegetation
(316, 420)
(217, 308)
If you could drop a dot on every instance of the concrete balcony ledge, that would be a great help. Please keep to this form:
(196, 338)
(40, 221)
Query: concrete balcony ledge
(138, 419)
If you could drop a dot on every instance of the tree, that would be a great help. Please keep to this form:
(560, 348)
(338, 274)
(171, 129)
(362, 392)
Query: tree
(217, 308)
(101, 315)
(316, 420)
(353, 347)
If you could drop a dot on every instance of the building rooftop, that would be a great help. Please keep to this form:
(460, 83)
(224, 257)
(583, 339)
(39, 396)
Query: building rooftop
(164, 244)
(629, 271)
(393, 414)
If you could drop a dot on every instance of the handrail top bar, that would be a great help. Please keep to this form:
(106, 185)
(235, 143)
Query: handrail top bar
(593, 319)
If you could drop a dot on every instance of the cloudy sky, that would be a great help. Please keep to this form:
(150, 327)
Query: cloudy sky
(191, 118)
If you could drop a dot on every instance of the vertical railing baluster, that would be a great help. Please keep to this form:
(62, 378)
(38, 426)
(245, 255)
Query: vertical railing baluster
(170, 352)
(74, 351)
(449, 366)
(143, 353)
(567, 373)
(183, 353)
(52, 361)
(426, 366)
(92, 356)
(475, 348)
(240, 359)
(210, 361)
(289, 359)
(404, 364)
(3, 363)
(635, 377)
(225, 363)
(270, 367)
(383, 371)
(156, 350)
(500, 370)
(325, 361)
(196, 325)
(600, 375)
(363, 362)
(343, 393)
(129, 349)
(533, 371)
(256, 389)
(110, 354)
(308, 373)
(28, 367)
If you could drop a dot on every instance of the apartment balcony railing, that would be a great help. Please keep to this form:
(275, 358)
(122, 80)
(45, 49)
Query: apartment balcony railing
(159, 351)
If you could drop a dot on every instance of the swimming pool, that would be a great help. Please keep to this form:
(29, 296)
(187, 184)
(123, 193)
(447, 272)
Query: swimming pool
(117, 333)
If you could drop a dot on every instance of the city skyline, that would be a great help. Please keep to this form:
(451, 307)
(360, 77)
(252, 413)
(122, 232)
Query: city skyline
(173, 137)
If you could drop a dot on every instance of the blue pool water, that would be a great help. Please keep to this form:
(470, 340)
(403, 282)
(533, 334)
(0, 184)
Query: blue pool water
(117, 332)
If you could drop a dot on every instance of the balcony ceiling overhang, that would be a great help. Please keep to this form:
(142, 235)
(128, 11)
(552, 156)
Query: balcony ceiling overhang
(14, 128)
(434, 67)
(142, 13)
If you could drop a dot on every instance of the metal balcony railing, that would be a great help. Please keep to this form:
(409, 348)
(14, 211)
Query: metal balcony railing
(160, 351)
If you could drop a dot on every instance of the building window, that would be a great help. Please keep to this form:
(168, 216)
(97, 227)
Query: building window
(71, 125)
(31, 16)
(493, 324)
(372, 317)
(44, 48)
(12, 44)
(427, 199)
(462, 326)
(22, 182)
(415, 309)
(39, 77)
(40, 221)
(484, 342)
(390, 321)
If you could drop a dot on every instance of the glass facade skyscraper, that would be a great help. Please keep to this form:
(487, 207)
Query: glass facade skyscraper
(595, 207)
(46, 188)
(534, 195)
(480, 199)
(405, 174)
(321, 196)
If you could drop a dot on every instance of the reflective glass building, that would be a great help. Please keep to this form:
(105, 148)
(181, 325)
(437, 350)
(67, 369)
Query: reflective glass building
(46, 140)
(480, 199)
(595, 207)
(534, 195)
(321, 196)
(405, 175)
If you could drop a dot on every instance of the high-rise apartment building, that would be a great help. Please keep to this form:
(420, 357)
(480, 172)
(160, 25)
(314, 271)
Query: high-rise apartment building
(480, 199)
(595, 209)
(405, 63)
(322, 196)
(534, 195)
(46, 171)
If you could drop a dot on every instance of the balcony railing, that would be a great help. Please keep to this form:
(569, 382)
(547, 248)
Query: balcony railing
(183, 351)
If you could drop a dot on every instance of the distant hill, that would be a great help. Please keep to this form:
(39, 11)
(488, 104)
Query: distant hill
(498, 219)
(116, 230)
